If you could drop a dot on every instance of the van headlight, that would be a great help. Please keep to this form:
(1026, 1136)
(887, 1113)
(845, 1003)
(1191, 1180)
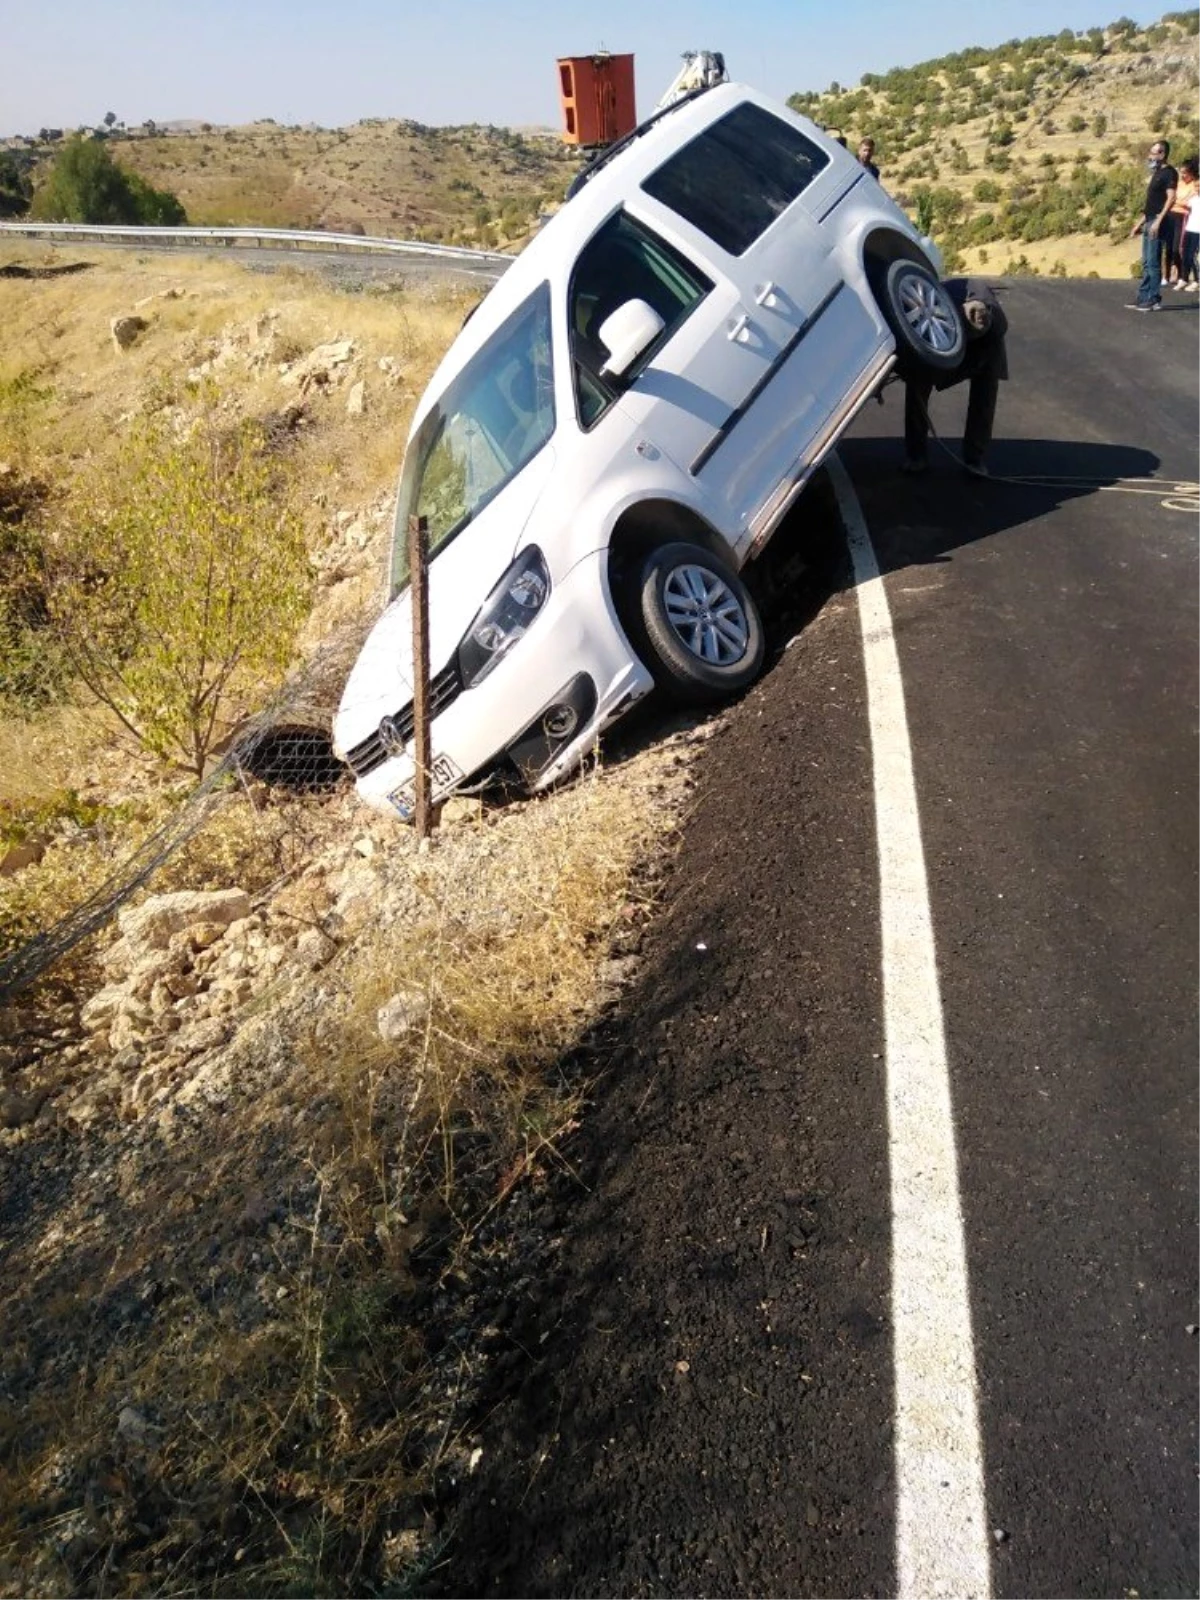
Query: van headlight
(504, 617)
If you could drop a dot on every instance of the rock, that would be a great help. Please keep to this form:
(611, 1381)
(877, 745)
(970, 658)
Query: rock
(1000, 1535)
(152, 923)
(400, 1015)
(103, 1006)
(99, 1099)
(356, 400)
(460, 808)
(205, 1035)
(19, 856)
(19, 1110)
(125, 330)
(16, 1024)
(318, 368)
(125, 1030)
(132, 1427)
(313, 949)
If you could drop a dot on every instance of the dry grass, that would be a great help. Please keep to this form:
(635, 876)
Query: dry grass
(282, 1421)
(58, 329)
(234, 1358)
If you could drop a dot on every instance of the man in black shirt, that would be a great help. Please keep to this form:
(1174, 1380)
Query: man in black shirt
(1160, 197)
(984, 364)
(866, 156)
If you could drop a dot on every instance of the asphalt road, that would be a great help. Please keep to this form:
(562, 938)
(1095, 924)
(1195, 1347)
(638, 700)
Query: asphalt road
(698, 1399)
(345, 267)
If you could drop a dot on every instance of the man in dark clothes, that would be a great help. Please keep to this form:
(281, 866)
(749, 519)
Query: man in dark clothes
(866, 156)
(1160, 197)
(985, 364)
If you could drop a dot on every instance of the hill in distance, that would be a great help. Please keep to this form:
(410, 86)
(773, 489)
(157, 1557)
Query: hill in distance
(476, 185)
(1026, 157)
(1030, 156)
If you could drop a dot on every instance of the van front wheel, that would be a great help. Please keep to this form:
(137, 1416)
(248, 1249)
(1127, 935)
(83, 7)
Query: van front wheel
(700, 622)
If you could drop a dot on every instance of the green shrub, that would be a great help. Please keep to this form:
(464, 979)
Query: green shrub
(179, 584)
(86, 185)
(16, 185)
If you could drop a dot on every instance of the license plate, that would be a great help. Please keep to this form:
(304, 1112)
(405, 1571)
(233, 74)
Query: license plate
(444, 774)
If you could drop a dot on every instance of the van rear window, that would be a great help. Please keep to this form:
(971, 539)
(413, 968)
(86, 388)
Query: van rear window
(736, 177)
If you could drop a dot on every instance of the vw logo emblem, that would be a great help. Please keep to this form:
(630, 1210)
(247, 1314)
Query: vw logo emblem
(390, 736)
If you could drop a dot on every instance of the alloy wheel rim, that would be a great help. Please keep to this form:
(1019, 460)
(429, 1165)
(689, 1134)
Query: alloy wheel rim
(706, 616)
(928, 313)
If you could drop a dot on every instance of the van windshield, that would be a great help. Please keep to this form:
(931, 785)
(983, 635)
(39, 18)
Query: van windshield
(491, 421)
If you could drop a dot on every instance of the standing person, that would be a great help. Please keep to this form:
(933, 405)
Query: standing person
(866, 157)
(1160, 197)
(1186, 189)
(1189, 277)
(985, 364)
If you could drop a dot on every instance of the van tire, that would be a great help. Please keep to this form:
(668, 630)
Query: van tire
(930, 338)
(700, 624)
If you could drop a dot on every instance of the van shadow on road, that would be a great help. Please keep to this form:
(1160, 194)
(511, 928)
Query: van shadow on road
(913, 522)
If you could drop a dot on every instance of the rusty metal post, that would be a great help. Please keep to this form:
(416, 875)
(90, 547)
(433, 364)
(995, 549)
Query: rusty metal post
(418, 577)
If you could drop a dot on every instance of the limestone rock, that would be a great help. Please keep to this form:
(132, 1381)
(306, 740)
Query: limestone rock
(103, 1006)
(319, 368)
(152, 924)
(125, 330)
(356, 400)
(400, 1015)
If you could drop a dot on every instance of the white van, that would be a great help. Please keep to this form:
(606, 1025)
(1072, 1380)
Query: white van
(621, 425)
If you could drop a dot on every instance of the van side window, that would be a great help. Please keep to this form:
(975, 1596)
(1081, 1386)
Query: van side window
(623, 261)
(736, 177)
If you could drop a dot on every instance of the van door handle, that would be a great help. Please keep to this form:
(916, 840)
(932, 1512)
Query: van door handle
(764, 295)
(739, 329)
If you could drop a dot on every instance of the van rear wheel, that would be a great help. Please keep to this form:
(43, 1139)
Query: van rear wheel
(930, 340)
(700, 623)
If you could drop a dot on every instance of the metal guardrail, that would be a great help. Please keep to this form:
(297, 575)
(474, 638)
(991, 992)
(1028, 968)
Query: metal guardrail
(270, 238)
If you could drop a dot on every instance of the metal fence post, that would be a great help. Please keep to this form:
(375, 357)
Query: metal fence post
(418, 569)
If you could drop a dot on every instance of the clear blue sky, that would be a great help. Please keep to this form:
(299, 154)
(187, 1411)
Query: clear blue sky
(67, 62)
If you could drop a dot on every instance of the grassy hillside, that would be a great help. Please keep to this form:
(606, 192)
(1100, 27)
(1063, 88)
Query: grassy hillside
(1029, 157)
(469, 185)
(267, 1240)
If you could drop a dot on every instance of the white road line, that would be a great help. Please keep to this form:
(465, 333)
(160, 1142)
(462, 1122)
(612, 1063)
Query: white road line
(941, 1520)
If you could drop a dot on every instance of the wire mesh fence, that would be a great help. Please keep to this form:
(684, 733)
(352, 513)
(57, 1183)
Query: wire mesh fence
(286, 745)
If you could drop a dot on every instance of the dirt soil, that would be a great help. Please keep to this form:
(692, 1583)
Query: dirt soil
(691, 1333)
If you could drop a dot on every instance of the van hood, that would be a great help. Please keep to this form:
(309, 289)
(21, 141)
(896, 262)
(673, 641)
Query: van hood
(461, 576)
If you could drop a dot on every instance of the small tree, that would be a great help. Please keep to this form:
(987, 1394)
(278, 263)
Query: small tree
(16, 187)
(87, 185)
(109, 118)
(179, 585)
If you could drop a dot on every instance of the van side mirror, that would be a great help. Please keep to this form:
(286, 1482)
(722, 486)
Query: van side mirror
(627, 334)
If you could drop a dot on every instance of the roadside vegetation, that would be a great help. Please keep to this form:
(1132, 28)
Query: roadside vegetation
(274, 1175)
(1029, 157)
(85, 184)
